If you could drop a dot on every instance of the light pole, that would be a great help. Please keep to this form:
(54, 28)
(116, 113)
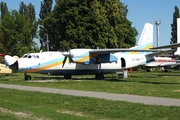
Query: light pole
(157, 22)
(47, 39)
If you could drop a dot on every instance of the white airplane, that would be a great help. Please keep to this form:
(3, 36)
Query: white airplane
(85, 61)
(166, 62)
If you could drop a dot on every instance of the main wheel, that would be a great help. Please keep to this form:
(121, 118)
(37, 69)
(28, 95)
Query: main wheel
(67, 76)
(27, 77)
(99, 76)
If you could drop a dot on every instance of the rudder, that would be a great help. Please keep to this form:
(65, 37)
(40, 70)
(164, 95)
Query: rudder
(146, 39)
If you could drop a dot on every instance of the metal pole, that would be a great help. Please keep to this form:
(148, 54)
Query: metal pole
(47, 37)
(157, 22)
(47, 41)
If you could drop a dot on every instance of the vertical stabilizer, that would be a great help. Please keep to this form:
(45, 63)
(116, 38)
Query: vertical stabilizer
(178, 37)
(146, 39)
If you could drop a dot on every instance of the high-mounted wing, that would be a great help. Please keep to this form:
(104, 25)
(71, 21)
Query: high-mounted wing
(105, 51)
(175, 45)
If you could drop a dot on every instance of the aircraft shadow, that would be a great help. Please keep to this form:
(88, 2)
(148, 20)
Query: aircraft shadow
(111, 79)
(47, 78)
(60, 78)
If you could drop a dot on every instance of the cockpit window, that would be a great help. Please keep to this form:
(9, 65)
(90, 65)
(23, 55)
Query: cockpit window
(25, 56)
(31, 56)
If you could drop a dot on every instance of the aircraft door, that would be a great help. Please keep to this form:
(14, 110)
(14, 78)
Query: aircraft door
(123, 63)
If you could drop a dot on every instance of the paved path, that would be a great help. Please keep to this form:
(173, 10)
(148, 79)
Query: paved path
(102, 95)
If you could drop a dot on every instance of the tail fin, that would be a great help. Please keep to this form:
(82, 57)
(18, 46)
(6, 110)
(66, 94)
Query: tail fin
(146, 39)
(178, 37)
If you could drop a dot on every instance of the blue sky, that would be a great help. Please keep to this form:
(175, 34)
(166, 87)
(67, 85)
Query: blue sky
(140, 12)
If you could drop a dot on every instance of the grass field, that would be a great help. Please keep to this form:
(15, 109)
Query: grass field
(15, 105)
(143, 83)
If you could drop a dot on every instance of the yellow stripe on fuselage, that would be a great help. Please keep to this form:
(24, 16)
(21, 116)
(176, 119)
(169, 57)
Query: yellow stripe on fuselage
(43, 68)
(85, 58)
(146, 48)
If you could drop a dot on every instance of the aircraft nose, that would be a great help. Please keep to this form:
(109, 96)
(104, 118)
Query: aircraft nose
(9, 60)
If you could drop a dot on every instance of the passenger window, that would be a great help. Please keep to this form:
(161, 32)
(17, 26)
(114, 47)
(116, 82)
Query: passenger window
(29, 56)
(25, 56)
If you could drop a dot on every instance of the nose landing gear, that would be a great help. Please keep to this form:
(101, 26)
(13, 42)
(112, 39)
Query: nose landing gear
(27, 77)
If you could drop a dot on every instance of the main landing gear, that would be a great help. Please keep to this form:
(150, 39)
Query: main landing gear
(99, 76)
(67, 76)
(27, 77)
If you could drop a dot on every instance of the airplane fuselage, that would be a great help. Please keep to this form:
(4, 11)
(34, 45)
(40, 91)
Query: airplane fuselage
(162, 62)
(51, 62)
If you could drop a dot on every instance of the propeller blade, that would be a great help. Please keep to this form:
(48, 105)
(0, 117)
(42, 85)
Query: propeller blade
(68, 54)
(70, 60)
(64, 61)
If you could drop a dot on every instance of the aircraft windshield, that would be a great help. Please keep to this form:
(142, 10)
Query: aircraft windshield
(30, 56)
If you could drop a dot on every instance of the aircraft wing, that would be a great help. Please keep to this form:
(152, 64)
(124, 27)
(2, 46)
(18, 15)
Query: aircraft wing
(175, 45)
(104, 51)
(161, 52)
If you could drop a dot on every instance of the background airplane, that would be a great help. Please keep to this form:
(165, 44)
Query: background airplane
(168, 60)
(162, 62)
(5, 69)
(85, 61)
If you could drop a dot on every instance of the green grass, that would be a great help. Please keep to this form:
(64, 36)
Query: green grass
(28, 105)
(18, 105)
(143, 83)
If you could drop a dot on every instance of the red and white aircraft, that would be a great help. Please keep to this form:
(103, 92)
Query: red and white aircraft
(163, 62)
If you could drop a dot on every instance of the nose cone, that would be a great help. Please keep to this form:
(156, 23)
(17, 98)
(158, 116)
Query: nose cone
(9, 60)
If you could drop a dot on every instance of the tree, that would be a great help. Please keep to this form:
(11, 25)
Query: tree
(16, 34)
(116, 14)
(29, 12)
(3, 8)
(174, 25)
(90, 24)
(18, 30)
(23, 8)
(45, 11)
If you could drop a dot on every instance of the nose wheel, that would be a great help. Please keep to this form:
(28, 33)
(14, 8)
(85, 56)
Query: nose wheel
(27, 77)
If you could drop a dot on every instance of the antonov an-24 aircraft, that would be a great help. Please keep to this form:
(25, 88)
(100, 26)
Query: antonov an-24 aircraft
(84, 61)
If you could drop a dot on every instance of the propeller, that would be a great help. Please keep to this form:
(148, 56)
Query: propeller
(64, 61)
(67, 54)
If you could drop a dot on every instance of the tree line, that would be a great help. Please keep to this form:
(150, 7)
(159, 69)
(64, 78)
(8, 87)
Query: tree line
(68, 24)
